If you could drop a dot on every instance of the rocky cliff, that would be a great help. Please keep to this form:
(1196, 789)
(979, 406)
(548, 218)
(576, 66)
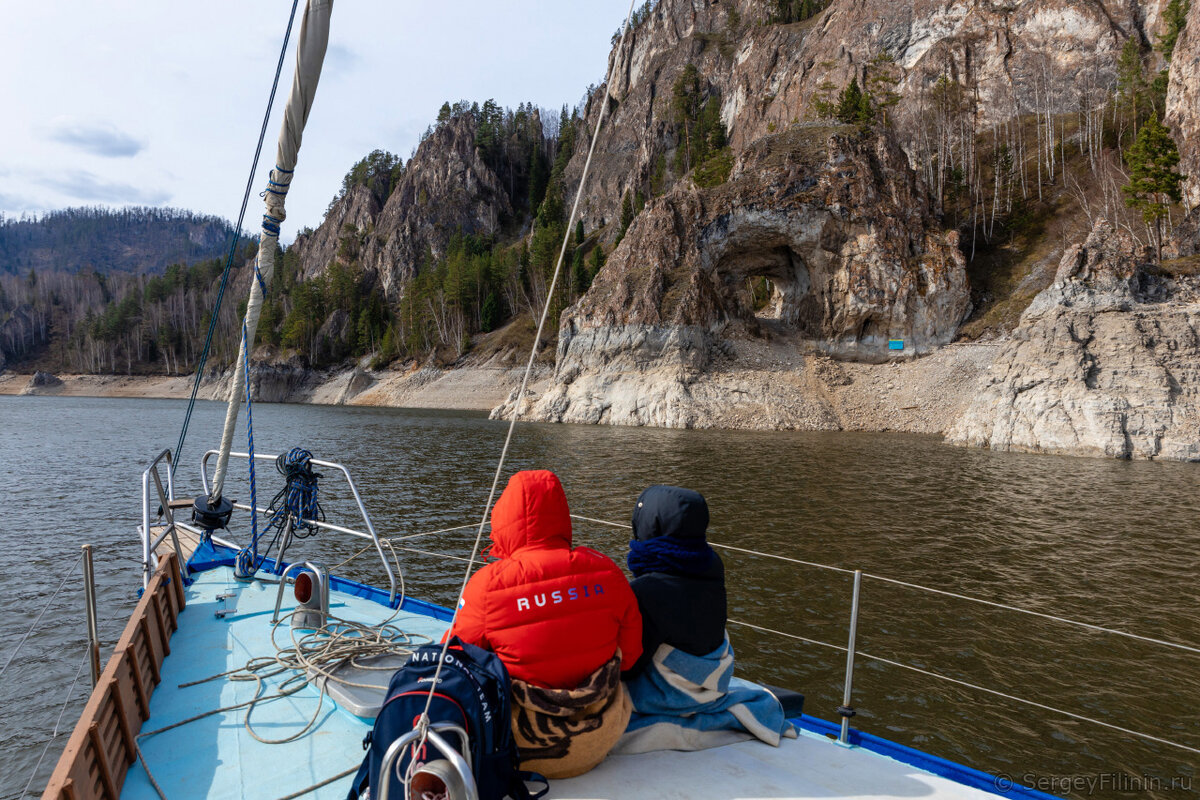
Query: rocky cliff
(1105, 362)
(446, 188)
(1011, 58)
(835, 223)
(1183, 117)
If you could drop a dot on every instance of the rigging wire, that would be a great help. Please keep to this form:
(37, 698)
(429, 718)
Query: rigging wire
(57, 723)
(423, 722)
(237, 236)
(32, 627)
(968, 685)
(1053, 617)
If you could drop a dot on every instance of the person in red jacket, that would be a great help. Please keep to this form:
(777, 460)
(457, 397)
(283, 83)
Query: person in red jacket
(565, 622)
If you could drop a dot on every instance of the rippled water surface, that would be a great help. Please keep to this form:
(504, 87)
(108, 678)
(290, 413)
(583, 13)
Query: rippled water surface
(1112, 543)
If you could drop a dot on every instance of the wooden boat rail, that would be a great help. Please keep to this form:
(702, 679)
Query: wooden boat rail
(103, 745)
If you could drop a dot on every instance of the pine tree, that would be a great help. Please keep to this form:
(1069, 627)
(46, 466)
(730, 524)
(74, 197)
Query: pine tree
(854, 106)
(597, 263)
(1174, 20)
(580, 279)
(1131, 83)
(1153, 182)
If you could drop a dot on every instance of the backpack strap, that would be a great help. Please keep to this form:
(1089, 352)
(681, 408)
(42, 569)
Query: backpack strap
(519, 791)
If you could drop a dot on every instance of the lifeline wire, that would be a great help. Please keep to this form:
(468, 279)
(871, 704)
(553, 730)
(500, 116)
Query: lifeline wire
(424, 719)
(21, 643)
(975, 686)
(919, 587)
(54, 735)
(237, 235)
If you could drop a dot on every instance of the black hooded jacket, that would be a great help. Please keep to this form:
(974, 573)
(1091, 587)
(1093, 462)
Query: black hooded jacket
(687, 612)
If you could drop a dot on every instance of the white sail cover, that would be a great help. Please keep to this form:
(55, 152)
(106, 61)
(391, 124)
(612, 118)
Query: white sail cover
(310, 56)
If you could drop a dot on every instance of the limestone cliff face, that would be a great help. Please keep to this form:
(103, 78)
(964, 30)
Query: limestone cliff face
(353, 215)
(1183, 117)
(1101, 364)
(446, 188)
(1011, 57)
(836, 223)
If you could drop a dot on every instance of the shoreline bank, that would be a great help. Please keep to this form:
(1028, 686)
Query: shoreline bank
(922, 395)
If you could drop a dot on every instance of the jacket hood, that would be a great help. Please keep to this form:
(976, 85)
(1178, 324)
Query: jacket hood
(670, 511)
(532, 511)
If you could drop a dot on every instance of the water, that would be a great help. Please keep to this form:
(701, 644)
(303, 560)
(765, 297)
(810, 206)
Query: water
(1109, 542)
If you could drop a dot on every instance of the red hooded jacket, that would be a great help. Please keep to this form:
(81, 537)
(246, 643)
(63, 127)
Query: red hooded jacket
(554, 614)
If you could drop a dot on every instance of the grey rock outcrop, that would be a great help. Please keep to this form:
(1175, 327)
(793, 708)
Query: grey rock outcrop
(1183, 118)
(43, 383)
(834, 220)
(1011, 58)
(1102, 363)
(1183, 103)
(352, 216)
(445, 189)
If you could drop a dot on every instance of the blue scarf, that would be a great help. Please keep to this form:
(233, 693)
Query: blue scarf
(668, 554)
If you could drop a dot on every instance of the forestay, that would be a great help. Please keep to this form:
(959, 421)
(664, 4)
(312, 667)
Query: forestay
(310, 56)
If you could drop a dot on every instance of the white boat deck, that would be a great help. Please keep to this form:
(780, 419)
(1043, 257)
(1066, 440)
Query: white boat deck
(216, 757)
(809, 767)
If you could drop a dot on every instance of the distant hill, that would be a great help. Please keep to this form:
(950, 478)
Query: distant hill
(132, 240)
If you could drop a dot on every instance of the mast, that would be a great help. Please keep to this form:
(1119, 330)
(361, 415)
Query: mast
(310, 55)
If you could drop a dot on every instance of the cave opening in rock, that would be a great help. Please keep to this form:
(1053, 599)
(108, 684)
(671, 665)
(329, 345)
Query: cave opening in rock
(772, 288)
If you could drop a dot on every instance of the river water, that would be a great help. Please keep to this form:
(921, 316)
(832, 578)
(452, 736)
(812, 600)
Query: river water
(1107, 542)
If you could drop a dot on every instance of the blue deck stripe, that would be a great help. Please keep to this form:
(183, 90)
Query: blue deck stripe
(944, 768)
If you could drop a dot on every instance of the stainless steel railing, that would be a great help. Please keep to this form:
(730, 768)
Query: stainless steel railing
(149, 542)
(165, 495)
(370, 533)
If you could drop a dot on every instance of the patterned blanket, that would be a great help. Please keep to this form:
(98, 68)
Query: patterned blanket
(686, 702)
(565, 732)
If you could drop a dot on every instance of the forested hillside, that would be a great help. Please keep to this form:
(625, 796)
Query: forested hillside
(106, 240)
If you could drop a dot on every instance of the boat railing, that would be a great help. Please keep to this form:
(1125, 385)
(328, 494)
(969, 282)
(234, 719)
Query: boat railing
(846, 710)
(164, 498)
(369, 534)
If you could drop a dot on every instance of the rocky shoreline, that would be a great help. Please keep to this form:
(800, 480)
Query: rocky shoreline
(478, 387)
(769, 386)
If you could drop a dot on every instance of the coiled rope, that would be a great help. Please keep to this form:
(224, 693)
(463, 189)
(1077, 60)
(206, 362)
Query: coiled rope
(423, 722)
(293, 511)
(314, 656)
(237, 236)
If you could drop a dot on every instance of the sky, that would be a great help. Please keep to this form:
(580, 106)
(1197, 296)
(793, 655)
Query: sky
(159, 102)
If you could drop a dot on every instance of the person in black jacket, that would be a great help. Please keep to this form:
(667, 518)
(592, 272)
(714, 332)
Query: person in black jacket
(678, 579)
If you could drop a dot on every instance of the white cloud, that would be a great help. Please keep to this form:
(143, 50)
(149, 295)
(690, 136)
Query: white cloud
(86, 187)
(99, 139)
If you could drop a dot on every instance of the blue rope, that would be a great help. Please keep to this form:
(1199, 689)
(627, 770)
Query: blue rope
(296, 507)
(248, 561)
(237, 236)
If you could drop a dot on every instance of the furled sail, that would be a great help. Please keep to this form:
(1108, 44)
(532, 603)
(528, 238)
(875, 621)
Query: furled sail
(310, 55)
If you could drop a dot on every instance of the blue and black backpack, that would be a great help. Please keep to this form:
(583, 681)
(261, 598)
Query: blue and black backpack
(473, 693)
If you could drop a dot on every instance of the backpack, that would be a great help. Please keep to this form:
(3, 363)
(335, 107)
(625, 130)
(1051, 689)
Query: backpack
(473, 693)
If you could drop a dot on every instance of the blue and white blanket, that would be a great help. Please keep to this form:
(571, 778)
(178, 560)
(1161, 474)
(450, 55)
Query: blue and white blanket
(686, 702)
